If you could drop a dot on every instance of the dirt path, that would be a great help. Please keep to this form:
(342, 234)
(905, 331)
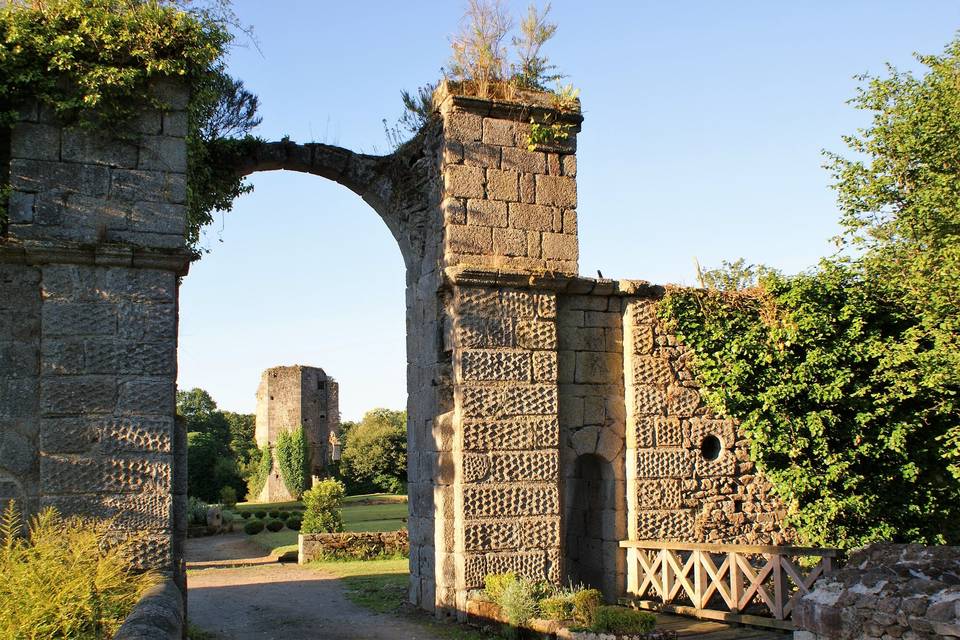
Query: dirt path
(265, 600)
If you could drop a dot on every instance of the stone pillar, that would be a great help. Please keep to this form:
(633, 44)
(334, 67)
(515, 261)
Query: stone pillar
(88, 322)
(507, 205)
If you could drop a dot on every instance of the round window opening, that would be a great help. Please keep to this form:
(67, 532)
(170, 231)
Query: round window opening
(711, 447)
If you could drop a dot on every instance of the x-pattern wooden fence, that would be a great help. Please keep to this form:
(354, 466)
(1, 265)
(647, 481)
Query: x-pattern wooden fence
(744, 583)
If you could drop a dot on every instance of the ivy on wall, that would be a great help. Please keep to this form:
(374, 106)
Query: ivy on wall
(846, 378)
(258, 479)
(293, 459)
(93, 63)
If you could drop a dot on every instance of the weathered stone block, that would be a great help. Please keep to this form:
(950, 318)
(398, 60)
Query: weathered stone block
(106, 434)
(35, 141)
(598, 367)
(175, 123)
(544, 366)
(530, 216)
(126, 474)
(530, 400)
(482, 501)
(509, 242)
(664, 463)
(469, 239)
(36, 176)
(560, 246)
(528, 189)
(503, 185)
(147, 322)
(477, 154)
(534, 334)
(20, 207)
(163, 153)
(78, 319)
(557, 191)
(147, 396)
(71, 395)
(520, 159)
(483, 364)
(568, 164)
(486, 213)
(91, 147)
(158, 217)
(497, 131)
(462, 127)
(464, 182)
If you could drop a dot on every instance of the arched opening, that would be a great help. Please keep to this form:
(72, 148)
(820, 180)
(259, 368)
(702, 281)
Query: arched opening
(349, 292)
(588, 501)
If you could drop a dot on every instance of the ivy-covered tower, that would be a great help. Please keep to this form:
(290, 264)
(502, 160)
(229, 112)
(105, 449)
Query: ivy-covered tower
(292, 397)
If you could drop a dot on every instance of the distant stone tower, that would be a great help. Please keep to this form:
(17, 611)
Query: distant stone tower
(290, 397)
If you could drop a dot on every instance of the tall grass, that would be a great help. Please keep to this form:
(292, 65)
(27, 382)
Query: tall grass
(65, 578)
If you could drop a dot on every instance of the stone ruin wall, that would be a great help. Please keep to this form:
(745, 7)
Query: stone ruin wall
(291, 397)
(88, 325)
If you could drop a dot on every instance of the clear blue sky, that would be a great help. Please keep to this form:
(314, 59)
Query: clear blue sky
(704, 127)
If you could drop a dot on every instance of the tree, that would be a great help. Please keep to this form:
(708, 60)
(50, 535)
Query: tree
(375, 450)
(242, 427)
(900, 199)
(211, 464)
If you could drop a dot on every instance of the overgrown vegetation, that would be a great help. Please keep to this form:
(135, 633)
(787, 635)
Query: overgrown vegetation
(258, 472)
(293, 458)
(323, 502)
(67, 578)
(96, 63)
(846, 378)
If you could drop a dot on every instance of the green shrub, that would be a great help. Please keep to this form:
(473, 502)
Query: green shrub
(585, 605)
(197, 511)
(227, 516)
(260, 514)
(275, 525)
(274, 513)
(245, 515)
(253, 527)
(67, 578)
(495, 583)
(294, 523)
(228, 497)
(322, 502)
(620, 620)
(519, 601)
(557, 608)
(283, 515)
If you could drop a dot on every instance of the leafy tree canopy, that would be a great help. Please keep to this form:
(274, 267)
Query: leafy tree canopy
(375, 450)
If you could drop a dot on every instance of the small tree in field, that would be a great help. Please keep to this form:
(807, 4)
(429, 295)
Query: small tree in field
(322, 503)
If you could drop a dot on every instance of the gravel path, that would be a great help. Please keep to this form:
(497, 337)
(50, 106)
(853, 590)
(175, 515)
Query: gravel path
(267, 600)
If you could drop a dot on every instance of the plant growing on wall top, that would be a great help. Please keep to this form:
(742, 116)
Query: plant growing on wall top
(293, 459)
(480, 61)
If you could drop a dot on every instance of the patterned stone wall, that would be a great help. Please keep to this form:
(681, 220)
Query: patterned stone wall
(506, 458)
(689, 471)
(88, 324)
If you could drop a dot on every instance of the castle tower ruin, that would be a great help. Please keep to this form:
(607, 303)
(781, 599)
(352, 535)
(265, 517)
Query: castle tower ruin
(291, 397)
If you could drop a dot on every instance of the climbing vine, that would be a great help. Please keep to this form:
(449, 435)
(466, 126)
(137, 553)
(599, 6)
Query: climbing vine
(258, 479)
(293, 459)
(95, 63)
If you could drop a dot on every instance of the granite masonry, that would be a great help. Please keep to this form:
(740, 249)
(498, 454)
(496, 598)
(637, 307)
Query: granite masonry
(550, 416)
(289, 398)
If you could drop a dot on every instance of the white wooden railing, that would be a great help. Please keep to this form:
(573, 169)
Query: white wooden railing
(757, 585)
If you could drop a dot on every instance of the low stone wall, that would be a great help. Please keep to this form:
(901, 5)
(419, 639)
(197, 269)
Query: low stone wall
(159, 615)
(886, 591)
(361, 545)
